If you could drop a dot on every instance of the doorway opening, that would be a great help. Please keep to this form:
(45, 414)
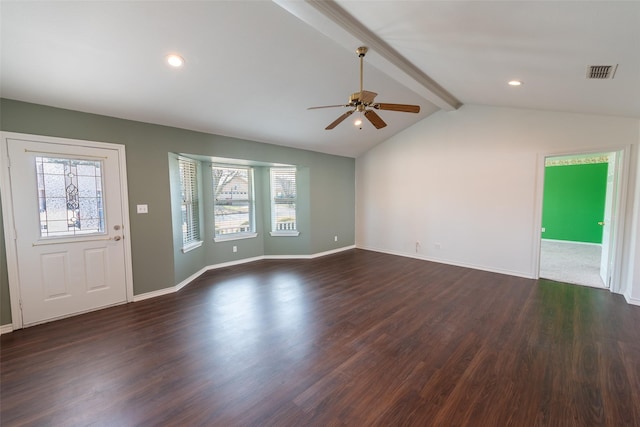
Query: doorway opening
(579, 207)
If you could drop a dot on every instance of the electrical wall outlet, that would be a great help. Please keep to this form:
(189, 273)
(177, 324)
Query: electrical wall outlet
(235, 249)
(335, 238)
(142, 209)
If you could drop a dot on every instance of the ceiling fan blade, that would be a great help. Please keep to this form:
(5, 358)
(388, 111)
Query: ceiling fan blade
(398, 107)
(375, 119)
(328, 106)
(339, 120)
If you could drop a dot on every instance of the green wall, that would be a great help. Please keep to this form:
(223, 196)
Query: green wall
(573, 202)
(326, 195)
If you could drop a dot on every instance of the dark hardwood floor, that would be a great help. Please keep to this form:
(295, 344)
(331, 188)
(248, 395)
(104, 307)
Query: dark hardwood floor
(357, 338)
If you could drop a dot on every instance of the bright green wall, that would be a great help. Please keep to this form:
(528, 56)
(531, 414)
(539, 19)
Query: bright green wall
(573, 202)
(326, 183)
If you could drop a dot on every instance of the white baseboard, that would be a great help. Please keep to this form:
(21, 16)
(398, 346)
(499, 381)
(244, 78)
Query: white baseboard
(153, 294)
(188, 280)
(333, 251)
(5, 329)
(312, 256)
(631, 300)
(448, 262)
(226, 264)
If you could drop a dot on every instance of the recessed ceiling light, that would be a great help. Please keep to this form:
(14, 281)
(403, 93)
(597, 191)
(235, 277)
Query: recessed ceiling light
(515, 83)
(175, 60)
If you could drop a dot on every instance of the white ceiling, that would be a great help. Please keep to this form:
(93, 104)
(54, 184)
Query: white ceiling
(252, 68)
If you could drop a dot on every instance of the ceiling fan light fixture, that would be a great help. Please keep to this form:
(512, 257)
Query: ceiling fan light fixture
(175, 61)
(363, 103)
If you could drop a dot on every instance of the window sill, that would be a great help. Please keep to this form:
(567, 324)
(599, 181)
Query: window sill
(284, 233)
(237, 236)
(191, 246)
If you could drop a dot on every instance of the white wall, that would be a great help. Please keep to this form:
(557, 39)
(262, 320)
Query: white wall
(464, 184)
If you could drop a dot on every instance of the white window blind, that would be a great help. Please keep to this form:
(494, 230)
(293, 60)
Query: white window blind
(283, 200)
(190, 203)
(233, 200)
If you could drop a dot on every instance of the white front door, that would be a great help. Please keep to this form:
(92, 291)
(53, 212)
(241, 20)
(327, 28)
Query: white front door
(68, 209)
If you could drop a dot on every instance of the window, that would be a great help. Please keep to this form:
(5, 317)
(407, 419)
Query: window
(283, 202)
(190, 206)
(233, 203)
(69, 196)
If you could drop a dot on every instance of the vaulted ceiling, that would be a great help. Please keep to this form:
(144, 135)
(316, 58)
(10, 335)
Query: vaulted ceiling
(253, 67)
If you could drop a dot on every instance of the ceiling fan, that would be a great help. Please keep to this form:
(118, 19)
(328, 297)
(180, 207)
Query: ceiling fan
(363, 102)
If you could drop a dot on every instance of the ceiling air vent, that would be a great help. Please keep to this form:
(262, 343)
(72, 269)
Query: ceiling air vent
(601, 72)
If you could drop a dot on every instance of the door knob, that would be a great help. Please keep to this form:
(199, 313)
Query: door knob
(117, 238)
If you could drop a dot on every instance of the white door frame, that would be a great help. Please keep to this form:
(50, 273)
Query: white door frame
(619, 206)
(8, 214)
(609, 210)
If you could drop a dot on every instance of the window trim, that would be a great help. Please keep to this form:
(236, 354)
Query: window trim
(284, 233)
(235, 236)
(191, 246)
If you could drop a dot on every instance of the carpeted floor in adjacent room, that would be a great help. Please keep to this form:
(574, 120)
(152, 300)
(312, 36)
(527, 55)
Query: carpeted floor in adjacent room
(569, 262)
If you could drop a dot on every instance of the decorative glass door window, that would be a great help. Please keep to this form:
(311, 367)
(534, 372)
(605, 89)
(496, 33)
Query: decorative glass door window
(69, 196)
